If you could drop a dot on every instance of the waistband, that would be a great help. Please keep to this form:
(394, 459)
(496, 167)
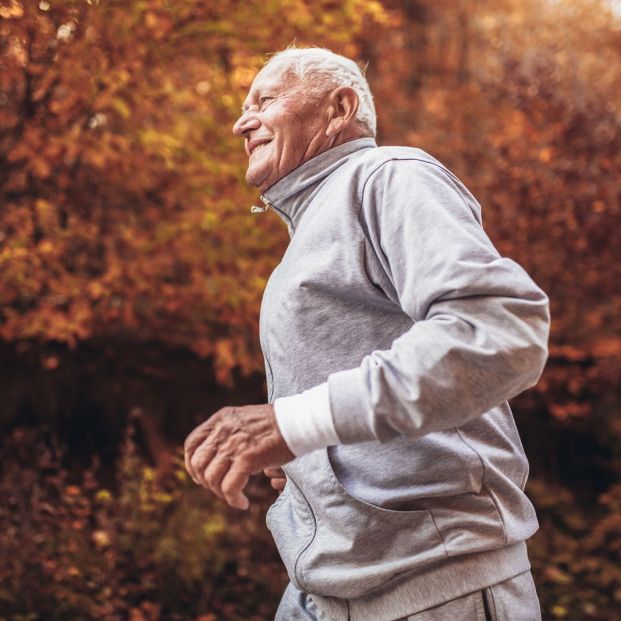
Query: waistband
(430, 586)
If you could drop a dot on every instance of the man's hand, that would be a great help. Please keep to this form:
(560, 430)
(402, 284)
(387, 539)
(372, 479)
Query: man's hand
(277, 477)
(222, 452)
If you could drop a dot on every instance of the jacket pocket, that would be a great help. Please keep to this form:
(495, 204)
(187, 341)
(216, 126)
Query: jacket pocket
(358, 546)
(407, 472)
(292, 525)
(468, 522)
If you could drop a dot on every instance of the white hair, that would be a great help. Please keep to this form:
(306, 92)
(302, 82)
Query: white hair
(330, 69)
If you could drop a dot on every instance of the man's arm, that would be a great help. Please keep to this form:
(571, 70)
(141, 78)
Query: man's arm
(480, 323)
(479, 337)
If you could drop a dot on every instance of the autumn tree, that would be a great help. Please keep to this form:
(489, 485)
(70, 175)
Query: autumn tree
(124, 210)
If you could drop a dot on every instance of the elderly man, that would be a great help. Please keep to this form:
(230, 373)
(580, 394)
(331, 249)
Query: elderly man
(393, 334)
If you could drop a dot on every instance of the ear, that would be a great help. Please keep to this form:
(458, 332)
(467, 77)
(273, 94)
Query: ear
(342, 108)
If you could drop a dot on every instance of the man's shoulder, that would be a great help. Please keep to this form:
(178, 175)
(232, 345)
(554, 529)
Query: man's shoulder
(410, 172)
(383, 154)
(373, 160)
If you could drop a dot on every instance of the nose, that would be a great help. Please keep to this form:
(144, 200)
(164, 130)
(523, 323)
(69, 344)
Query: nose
(247, 121)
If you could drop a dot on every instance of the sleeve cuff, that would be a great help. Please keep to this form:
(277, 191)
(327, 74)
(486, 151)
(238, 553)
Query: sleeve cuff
(351, 413)
(305, 420)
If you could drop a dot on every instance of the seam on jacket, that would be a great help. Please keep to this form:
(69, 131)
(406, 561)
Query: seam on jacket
(286, 215)
(310, 541)
(433, 519)
(525, 476)
(411, 159)
(483, 476)
(371, 253)
(269, 366)
(364, 227)
(391, 296)
(280, 500)
(491, 592)
(502, 522)
(487, 613)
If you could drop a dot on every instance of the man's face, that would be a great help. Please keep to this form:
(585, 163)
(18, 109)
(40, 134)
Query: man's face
(282, 127)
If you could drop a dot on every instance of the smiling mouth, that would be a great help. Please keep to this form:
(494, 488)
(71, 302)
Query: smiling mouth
(259, 147)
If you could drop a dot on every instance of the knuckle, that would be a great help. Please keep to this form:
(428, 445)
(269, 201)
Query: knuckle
(245, 462)
(195, 462)
(223, 413)
(229, 488)
(210, 481)
(212, 485)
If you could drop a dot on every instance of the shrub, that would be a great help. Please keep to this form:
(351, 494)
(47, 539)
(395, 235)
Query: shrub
(576, 555)
(150, 548)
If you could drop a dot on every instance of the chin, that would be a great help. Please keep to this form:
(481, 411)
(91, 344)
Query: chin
(256, 177)
(252, 179)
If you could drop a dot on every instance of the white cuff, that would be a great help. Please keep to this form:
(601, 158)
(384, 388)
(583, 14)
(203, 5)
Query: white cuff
(305, 420)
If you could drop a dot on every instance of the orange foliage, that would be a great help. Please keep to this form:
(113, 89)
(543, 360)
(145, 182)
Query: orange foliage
(124, 207)
(124, 215)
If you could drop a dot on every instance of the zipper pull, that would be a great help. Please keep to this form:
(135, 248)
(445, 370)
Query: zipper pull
(265, 201)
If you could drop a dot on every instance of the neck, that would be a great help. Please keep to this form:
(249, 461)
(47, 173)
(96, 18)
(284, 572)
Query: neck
(290, 196)
(351, 132)
(330, 142)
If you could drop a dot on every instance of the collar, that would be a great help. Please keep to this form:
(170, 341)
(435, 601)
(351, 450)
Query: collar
(290, 196)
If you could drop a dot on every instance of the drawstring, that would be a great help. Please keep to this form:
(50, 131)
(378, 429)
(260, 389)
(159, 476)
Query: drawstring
(265, 201)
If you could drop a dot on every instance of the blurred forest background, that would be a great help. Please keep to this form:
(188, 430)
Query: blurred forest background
(131, 273)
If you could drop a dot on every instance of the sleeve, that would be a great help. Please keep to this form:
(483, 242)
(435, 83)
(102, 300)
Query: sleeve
(305, 420)
(479, 323)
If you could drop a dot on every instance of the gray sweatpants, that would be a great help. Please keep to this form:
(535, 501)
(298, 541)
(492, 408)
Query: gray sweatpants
(512, 600)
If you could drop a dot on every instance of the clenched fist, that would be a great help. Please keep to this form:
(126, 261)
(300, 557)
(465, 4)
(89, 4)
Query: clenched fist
(222, 452)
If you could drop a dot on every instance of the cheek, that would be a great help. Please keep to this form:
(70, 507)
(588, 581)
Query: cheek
(297, 139)
(292, 135)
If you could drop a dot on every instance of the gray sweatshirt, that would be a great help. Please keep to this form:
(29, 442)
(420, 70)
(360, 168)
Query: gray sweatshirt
(392, 296)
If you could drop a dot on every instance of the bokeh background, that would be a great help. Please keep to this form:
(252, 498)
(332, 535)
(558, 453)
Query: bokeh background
(131, 273)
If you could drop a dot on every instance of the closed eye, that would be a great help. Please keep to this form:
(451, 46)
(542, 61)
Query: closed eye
(265, 99)
(262, 101)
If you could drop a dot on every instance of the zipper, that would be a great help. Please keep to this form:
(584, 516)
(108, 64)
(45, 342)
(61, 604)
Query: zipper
(265, 201)
(267, 205)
